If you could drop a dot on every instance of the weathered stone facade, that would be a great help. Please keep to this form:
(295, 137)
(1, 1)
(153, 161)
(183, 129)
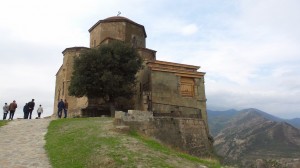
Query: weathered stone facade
(63, 78)
(173, 89)
(185, 134)
(165, 88)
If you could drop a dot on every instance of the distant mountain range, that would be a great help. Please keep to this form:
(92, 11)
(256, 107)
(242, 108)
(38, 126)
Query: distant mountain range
(217, 119)
(243, 137)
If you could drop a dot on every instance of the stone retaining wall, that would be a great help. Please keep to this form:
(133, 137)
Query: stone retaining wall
(186, 134)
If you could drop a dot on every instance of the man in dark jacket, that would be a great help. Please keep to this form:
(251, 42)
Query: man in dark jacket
(66, 108)
(30, 108)
(25, 110)
(60, 106)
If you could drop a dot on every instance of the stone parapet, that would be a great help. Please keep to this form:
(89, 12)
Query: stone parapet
(136, 115)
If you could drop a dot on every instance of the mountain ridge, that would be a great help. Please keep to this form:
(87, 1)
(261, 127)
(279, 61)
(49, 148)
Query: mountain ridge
(231, 112)
(250, 134)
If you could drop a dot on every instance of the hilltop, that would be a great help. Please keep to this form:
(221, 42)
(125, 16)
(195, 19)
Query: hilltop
(95, 142)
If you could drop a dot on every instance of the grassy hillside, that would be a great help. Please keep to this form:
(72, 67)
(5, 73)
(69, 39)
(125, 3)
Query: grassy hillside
(94, 142)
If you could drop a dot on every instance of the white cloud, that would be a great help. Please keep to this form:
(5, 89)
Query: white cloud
(189, 29)
(252, 62)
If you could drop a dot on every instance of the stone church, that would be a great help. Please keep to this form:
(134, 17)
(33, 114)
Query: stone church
(165, 88)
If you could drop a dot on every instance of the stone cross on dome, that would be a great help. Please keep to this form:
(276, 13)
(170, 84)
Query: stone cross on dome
(119, 13)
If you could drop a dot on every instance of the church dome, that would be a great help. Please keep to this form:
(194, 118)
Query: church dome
(118, 19)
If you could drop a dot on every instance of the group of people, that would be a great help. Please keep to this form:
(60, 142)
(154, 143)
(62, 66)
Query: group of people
(27, 109)
(62, 106)
(11, 108)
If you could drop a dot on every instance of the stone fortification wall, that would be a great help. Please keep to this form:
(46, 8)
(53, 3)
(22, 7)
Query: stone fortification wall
(186, 134)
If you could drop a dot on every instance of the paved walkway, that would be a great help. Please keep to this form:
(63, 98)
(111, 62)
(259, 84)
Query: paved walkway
(22, 144)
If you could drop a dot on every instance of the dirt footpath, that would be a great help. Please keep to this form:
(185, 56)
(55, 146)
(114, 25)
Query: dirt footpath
(22, 144)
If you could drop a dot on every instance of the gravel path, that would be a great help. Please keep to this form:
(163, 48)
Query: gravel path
(22, 144)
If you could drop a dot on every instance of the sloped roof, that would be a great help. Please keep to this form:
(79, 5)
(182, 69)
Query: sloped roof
(118, 19)
(74, 48)
(178, 69)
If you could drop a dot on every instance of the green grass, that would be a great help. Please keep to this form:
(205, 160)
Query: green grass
(93, 142)
(3, 122)
(212, 163)
(70, 142)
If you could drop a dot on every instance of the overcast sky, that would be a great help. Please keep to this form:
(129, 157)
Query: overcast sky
(249, 49)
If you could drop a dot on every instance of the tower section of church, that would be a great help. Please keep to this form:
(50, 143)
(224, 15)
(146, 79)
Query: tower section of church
(122, 29)
(63, 78)
(117, 28)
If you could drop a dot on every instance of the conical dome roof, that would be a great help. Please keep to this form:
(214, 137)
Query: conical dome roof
(117, 19)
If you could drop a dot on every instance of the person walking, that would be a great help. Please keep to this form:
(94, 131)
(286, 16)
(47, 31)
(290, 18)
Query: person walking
(5, 111)
(26, 111)
(40, 111)
(12, 108)
(30, 108)
(60, 106)
(66, 108)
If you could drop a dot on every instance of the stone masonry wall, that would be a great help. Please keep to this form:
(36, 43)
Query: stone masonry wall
(63, 78)
(166, 96)
(186, 134)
